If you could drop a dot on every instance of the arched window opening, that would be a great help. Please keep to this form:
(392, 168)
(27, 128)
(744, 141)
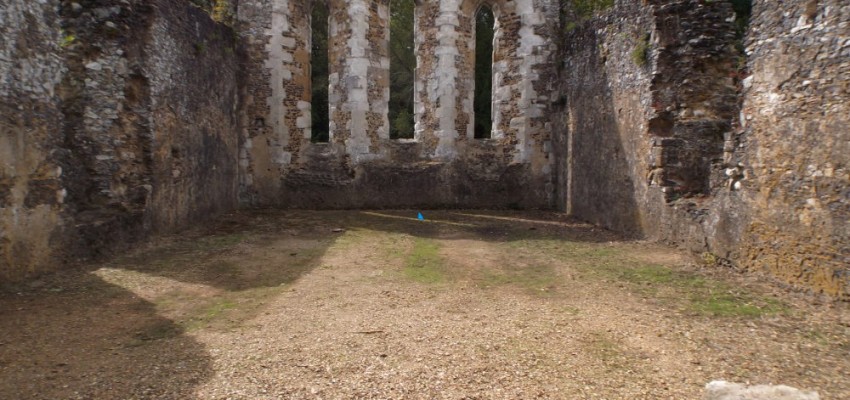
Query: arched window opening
(320, 131)
(483, 100)
(402, 67)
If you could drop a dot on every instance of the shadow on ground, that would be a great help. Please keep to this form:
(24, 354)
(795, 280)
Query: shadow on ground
(88, 339)
(122, 328)
(268, 248)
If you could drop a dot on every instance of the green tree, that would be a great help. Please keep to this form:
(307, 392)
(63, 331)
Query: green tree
(319, 73)
(402, 67)
(483, 97)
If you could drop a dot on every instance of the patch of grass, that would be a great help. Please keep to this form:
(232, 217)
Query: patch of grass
(640, 53)
(704, 296)
(604, 347)
(607, 350)
(652, 274)
(68, 40)
(217, 242)
(538, 279)
(691, 291)
(157, 331)
(222, 269)
(180, 252)
(570, 310)
(209, 313)
(559, 248)
(575, 12)
(730, 304)
(424, 263)
(200, 48)
(603, 252)
(817, 336)
(217, 308)
(221, 12)
(648, 274)
(587, 8)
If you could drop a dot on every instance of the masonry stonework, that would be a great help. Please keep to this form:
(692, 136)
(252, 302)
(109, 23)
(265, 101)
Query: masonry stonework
(746, 168)
(361, 166)
(649, 117)
(793, 161)
(31, 192)
(119, 119)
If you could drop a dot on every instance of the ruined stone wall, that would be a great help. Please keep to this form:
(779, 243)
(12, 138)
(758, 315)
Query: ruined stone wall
(192, 66)
(522, 76)
(361, 166)
(151, 116)
(118, 118)
(141, 134)
(649, 94)
(606, 102)
(654, 144)
(795, 148)
(31, 193)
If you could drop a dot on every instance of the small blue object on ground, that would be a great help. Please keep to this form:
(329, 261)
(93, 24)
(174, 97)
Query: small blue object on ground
(420, 217)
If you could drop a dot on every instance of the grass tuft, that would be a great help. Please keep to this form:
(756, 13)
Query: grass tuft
(538, 279)
(688, 290)
(640, 53)
(729, 304)
(211, 313)
(424, 263)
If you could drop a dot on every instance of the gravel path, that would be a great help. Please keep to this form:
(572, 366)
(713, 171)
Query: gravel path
(465, 305)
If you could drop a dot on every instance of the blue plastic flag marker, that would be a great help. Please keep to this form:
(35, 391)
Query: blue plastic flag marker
(420, 217)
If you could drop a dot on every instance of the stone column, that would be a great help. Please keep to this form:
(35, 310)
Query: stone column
(359, 76)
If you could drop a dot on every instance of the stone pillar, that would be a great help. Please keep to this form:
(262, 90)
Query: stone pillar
(359, 77)
(436, 96)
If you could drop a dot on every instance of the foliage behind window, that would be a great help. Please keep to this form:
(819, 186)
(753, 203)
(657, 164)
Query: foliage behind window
(319, 73)
(402, 67)
(483, 100)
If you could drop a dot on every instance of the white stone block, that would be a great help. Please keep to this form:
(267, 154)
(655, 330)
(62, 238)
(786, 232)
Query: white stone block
(288, 42)
(304, 121)
(280, 157)
(722, 390)
(447, 19)
(517, 122)
(534, 112)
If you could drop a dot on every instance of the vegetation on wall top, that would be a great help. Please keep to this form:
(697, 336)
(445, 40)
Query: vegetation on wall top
(220, 10)
(574, 12)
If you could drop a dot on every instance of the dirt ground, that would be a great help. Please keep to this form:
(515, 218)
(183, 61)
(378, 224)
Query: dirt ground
(462, 305)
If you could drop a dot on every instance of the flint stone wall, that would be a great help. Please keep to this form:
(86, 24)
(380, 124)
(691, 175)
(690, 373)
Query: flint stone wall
(360, 166)
(119, 119)
(745, 168)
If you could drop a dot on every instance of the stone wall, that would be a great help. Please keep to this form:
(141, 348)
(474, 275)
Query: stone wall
(193, 69)
(31, 191)
(138, 104)
(766, 190)
(120, 118)
(360, 166)
(604, 107)
(795, 146)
